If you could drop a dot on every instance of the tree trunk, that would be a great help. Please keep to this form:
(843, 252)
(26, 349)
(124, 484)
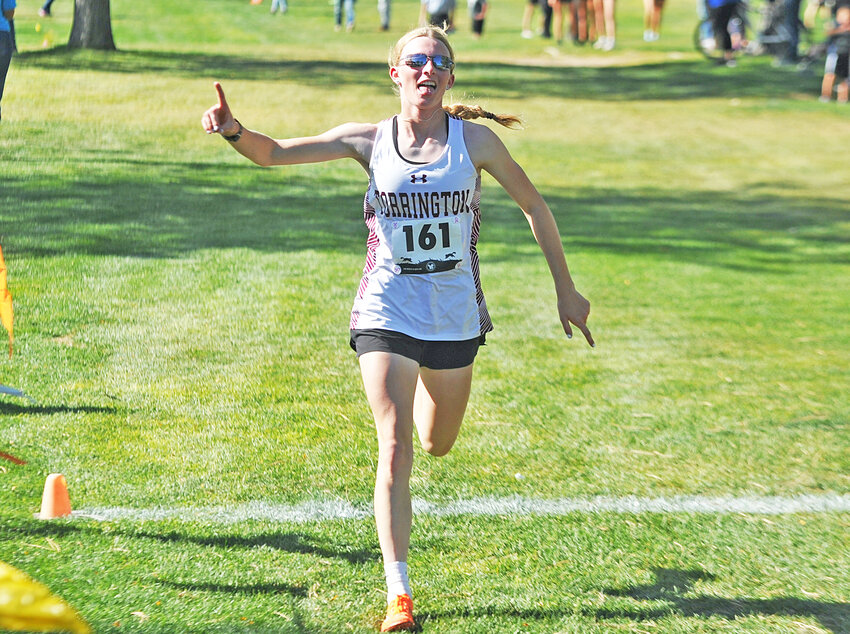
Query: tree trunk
(92, 26)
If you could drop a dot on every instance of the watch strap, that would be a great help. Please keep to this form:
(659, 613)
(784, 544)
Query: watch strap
(233, 138)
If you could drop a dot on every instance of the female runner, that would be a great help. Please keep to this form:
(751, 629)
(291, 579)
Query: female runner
(419, 315)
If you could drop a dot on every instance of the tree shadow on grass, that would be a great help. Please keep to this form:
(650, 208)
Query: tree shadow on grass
(672, 586)
(284, 541)
(120, 213)
(300, 543)
(751, 232)
(47, 410)
(123, 215)
(674, 80)
(237, 588)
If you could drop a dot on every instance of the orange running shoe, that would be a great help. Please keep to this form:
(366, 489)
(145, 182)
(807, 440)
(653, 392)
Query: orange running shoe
(399, 614)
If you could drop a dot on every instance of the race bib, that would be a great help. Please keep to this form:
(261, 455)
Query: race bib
(426, 246)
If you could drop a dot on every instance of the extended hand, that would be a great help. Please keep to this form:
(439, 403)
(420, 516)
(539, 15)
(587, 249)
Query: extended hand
(219, 119)
(575, 309)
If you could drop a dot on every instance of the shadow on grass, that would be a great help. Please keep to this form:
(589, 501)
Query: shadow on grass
(170, 209)
(247, 589)
(296, 543)
(13, 408)
(123, 215)
(671, 586)
(670, 80)
(288, 542)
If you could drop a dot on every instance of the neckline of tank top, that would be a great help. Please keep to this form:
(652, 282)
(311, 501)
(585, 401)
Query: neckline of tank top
(407, 160)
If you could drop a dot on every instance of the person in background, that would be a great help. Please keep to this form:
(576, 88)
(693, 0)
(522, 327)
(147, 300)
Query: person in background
(584, 20)
(706, 31)
(792, 26)
(44, 11)
(437, 13)
(721, 12)
(477, 11)
(7, 44)
(384, 7)
(837, 55)
(348, 7)
(606, 25)
(652, 10)
(527, 15)
(546, 19)
(419, 313)
(279, 5)
(561, 8)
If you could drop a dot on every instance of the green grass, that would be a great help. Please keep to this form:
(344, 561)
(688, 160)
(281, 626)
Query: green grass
(182, 314)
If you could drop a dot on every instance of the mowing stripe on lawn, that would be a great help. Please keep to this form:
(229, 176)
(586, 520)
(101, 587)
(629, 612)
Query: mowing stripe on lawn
(324, 510)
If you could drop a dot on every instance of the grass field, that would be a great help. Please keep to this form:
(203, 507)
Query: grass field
(181, 323)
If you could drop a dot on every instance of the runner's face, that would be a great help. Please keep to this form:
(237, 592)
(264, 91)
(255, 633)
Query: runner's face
(425, 85)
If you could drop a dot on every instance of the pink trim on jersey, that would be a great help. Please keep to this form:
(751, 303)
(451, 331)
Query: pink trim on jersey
(371, 246)
(483, 313)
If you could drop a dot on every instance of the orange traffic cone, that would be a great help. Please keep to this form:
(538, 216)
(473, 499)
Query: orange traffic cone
(55, 502)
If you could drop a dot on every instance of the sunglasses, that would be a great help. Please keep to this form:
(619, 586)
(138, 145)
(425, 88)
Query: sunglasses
(418, 60)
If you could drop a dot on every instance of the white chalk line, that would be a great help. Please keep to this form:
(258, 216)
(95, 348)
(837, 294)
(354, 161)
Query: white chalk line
(330, 510)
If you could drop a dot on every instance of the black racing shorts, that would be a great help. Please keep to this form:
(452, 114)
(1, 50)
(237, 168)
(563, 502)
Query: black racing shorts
(836, 63)
(436, 355)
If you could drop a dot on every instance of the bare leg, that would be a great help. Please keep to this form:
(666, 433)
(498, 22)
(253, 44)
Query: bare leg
(439, 406)
(648, 8)
(598, 16)
(610, 20)
(580, 9)
(826, 86)
(842, 92)
(558, 21)
(527, 14)
(390, 381)
(657, 8)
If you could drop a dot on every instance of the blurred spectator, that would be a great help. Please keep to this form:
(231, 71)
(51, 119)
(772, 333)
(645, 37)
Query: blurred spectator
(477, 11)
(792, 25)
(348, 6)
(546, 19)
(652, 10)
(559, 8)
(721, 13)
(606, 25)
(837, 55)
(44, 11)
(706, 32)
(384, 13)
(279, 5)
(439, 13)
(7, 46)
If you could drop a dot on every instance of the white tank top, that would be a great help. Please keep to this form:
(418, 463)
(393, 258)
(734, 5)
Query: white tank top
(421, 276)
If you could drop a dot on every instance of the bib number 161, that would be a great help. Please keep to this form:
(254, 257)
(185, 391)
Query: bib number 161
(427, 239)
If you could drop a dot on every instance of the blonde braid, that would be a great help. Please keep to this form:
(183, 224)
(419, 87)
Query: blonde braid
(477, 112)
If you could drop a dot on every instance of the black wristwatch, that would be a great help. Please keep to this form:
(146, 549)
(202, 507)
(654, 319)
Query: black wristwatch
(233, 138)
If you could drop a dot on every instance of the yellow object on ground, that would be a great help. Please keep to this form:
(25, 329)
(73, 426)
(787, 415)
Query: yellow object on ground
(6, 313)
(28, 606)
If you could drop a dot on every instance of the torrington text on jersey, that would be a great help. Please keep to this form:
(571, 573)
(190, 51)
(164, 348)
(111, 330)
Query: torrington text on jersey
(425, 204)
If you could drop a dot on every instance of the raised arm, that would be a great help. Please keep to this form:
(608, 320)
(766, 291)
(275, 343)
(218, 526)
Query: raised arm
(491, 155)
(350, 140)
